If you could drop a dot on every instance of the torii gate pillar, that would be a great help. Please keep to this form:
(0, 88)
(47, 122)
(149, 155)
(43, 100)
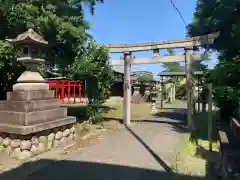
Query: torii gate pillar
(189, 80)
(127, 89)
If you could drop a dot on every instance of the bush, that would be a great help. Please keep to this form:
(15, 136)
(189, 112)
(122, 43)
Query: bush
(227, 99)
(95, 69)
(181, 92)
(226, 88)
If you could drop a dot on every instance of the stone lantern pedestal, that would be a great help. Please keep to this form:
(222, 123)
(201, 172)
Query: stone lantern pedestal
(30, 79)
(32, 120)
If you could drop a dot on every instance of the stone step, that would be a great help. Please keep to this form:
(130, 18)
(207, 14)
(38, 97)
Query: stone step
(25, 130)
(31, 118)
(29, 106)
(30, 95)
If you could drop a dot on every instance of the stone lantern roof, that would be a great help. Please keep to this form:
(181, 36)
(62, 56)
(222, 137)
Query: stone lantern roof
(29, 36)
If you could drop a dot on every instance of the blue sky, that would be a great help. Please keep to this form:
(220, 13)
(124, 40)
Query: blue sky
(131, 21)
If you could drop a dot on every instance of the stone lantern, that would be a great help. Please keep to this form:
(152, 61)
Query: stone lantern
(31, 111)
(31, 46)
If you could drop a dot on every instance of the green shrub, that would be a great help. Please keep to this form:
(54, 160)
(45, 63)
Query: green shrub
(181, 91)
(96, 70)
(227, 99)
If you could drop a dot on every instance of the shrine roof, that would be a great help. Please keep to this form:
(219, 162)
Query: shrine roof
(29, 35)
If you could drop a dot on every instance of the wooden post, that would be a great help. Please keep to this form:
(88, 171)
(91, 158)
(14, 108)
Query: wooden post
(204, 102)
(127, 88)
(174, 91)
(210, 123)
(171, 92)
(198, 79)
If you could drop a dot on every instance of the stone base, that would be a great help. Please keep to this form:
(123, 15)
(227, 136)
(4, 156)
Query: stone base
(30, 95)
(27, 112)
(33, 122)
(23, 147)
(25, 130)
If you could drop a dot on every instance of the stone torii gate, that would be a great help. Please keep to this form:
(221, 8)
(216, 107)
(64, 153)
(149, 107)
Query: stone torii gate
(189, 45)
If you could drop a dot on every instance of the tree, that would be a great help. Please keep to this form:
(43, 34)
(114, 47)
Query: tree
(144, 76)
(70, 48)
(61, 23)
(10, 69)
(198, 66)
(171, 66)
(222, 16)
(94, 67)
(218, 16)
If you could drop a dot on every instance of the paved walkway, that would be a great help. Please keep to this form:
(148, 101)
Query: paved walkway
(143, 151)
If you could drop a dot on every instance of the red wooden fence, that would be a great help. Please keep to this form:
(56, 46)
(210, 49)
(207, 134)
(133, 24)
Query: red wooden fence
(72, 87)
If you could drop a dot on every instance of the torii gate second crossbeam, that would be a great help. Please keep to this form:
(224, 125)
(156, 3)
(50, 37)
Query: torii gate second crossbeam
(189, 45)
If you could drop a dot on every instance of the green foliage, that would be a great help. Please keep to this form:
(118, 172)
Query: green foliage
(218, 15)
(95, 68)
(225, 79)
(175, 67)
(10, 69)
(222, 16)
(40, 70)
(171, 66)
(198, 66)
(144, 76)
(181, 91)
(61, 23)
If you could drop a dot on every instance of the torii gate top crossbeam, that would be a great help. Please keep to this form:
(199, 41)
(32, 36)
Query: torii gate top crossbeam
(180, 43)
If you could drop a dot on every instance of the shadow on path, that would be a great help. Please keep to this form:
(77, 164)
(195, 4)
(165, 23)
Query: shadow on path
(178, 125)
(74, 170)
(174, 114)
(154, 155)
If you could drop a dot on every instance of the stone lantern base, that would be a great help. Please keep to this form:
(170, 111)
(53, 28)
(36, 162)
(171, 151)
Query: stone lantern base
(33, 114)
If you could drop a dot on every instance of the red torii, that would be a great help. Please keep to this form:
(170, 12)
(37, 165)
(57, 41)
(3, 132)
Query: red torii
(61, 84)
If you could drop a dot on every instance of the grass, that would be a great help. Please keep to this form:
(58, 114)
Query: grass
(80, 112)
(193, 157)
(111, 110)
(138, 111)
(114, 110)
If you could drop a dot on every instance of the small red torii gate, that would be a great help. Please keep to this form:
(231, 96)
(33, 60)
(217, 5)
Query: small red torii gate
(60, 85)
